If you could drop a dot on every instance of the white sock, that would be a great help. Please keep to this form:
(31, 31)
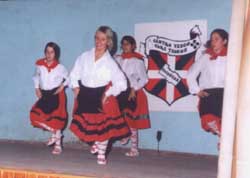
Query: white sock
(134, 139)
(102, 146)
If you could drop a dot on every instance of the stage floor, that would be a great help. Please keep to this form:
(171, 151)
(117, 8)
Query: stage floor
(75, 161)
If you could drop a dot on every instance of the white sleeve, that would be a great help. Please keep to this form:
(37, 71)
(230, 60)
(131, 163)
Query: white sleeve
(119, 82)
(193, 74)
(140, 77)
(36, 77)
(65, 75)
(75, 74)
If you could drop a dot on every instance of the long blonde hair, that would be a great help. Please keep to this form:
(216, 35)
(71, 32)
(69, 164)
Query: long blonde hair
(110, 35)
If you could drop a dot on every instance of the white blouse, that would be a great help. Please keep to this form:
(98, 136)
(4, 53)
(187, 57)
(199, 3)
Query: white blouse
(98, 73)
(135, 71)
(212, 73)
(46, 80)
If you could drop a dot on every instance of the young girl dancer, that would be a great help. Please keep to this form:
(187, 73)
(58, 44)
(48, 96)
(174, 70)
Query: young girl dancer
(96, 80)
(49, 112)
(210, 84)
(133, 102)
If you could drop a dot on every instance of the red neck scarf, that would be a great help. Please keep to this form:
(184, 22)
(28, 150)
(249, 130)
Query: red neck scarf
(213, 55)
(132, 55)
(43, 62)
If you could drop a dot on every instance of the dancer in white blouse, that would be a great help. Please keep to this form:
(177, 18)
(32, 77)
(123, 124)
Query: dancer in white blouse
(206, 80)
(50, 80)
(133, 102)
(96, 80)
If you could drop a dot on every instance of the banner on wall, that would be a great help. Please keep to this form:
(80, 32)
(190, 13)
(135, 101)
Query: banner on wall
(170, 48)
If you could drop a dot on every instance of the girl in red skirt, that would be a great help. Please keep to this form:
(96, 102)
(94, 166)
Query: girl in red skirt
(96, 80)
(133, 102)
(206, 79)
(49, 112)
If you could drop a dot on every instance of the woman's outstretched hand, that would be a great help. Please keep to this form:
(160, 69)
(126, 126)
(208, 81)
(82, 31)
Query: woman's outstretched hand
(38, 93)
(132, 95)
(76, 91)
(202, 94)
(59, 89)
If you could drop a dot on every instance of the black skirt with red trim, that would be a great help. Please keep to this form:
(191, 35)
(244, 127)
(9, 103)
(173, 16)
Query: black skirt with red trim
(210, 109)
(50, 110)
(93, 121)
(136, 111)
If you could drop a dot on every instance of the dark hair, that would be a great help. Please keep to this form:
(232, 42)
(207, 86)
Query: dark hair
(129, 39)
(56, 49)
(223, 34)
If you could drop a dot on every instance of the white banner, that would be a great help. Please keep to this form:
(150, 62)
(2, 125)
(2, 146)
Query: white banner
(170, 48)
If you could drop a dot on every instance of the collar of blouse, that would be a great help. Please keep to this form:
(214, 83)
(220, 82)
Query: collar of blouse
(213, 55)
(43, 62)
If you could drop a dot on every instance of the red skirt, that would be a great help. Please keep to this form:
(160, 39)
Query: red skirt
(51, 110)
(136, 112)
(210, 110)
(93, 121)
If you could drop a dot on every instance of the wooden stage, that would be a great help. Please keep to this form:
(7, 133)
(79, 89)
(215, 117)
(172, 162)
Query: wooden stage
(34, 160)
